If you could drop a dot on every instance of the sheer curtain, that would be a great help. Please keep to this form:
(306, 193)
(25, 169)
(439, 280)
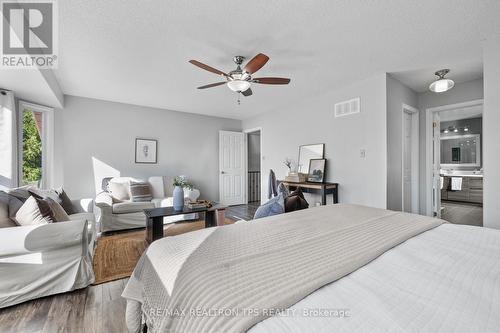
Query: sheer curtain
(8, 140)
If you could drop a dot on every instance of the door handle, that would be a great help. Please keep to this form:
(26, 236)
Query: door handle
(222, 172)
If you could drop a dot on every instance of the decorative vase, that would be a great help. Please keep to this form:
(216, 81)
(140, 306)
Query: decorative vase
(178, 198)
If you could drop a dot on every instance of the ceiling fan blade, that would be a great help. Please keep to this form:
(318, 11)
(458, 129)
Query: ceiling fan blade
(256, 63)
(247, 92)
(271, 80)
(212, 85)
(207, 68)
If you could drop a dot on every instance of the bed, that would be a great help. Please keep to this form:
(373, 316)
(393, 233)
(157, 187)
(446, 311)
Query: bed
(341, 268)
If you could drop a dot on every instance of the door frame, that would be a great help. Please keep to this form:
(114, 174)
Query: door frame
(415, 169)
(429, 115)
(246, 132)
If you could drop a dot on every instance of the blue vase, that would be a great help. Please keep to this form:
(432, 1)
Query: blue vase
(178, 198)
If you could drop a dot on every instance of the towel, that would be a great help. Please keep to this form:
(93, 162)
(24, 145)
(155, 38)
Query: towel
(272, 189)
(441, 179)
(456, 183)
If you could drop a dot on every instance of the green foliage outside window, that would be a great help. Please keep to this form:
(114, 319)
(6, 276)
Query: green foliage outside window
(32, 149)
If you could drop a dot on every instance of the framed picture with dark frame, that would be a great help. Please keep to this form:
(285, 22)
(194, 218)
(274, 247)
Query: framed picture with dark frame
(146, 151)
(316, 170)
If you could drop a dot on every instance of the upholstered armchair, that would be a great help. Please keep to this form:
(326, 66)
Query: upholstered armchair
(122, 213)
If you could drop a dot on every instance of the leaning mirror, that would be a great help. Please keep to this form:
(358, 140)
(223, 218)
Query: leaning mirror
(461, 150)
(307, 153)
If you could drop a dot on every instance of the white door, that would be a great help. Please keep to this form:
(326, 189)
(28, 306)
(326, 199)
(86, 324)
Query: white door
(436, 165)
(232, 168)
(407, 163)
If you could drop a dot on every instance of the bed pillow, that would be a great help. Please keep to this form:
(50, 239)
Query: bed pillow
(274, 206)
(29, 213)
(295, 201)
(140, 192)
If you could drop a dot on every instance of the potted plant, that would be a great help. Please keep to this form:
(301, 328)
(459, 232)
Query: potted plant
(180, 182)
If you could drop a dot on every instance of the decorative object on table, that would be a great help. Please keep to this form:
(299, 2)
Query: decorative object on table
(288, 163)
(180, 183)
(146, 150)
(199, 204)
(316, 170)
(308, 152)
(295, 201)
(272, 189)
(296, 177)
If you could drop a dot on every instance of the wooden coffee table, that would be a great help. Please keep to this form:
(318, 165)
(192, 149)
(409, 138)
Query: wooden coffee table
(214, 216)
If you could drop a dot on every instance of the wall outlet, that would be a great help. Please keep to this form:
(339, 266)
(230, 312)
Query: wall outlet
(362, 153)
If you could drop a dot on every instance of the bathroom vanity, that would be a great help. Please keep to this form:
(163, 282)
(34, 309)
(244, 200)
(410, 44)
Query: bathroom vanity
(471, 191)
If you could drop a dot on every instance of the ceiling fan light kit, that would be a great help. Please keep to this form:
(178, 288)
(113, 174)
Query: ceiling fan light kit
(441, 84)
(240, 80)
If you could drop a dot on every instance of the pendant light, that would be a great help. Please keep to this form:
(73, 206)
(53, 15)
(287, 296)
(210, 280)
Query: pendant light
(441, 84)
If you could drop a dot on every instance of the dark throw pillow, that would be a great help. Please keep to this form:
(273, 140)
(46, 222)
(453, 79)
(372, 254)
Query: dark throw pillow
(295, 201)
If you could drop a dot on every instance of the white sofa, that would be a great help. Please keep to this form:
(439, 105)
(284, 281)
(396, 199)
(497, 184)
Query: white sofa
(123, 215)
(42, 260)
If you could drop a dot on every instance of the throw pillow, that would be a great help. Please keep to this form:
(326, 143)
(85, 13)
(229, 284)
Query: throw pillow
(65, 201)
(140, 192)
(119, 190)
(51, 210)
(20, 192)
(29, 213)
(5, 219)
(274, 206)
(295, 201)
(283, 190)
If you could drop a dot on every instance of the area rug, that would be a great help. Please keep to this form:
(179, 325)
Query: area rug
(116, 255)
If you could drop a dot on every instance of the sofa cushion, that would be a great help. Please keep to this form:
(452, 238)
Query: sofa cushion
(29, 213)
(140, 191)
(10, 206)
(51, 210)
(274, 206)
(119, 189)
(131, 207)
(5, 220)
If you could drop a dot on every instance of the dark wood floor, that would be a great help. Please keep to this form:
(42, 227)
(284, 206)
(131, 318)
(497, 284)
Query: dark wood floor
(462, 213)
(95, 309)
(242, 212)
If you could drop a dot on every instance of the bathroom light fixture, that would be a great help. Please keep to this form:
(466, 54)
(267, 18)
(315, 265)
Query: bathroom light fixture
(466, 129)
(446, 131)
(441, 84)
(455, 130)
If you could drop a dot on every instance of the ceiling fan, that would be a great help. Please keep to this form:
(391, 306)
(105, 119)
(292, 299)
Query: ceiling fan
(240, 80)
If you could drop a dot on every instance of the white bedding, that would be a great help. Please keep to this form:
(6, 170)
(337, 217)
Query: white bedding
(444, 280)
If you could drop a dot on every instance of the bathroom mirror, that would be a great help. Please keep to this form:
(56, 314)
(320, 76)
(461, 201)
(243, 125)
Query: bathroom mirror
(307, 153)
(461, 150)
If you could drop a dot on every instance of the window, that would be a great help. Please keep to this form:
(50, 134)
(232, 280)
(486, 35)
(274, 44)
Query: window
(35, 148)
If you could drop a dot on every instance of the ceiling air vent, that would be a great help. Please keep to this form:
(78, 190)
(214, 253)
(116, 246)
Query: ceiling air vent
(347, 107)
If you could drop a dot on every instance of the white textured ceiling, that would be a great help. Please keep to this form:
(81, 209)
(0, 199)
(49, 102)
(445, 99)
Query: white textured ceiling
(137, 51)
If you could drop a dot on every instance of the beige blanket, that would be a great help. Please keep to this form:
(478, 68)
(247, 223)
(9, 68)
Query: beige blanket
(226, 279)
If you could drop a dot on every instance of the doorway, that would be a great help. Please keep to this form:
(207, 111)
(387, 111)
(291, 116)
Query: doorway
(254, 160)
(454, 163)
(410, 158)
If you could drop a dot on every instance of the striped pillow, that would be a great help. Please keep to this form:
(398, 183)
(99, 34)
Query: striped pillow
(140, 192)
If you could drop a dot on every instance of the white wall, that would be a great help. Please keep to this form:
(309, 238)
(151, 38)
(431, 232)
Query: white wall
(362, 180)
(462, 92)
(397, 95)
(491, 134)
(106, 131)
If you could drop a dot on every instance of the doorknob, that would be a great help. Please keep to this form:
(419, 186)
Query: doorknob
(222, 172)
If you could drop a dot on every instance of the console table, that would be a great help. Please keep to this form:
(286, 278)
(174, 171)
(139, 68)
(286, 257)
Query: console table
(214, 216)
(322, 188)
